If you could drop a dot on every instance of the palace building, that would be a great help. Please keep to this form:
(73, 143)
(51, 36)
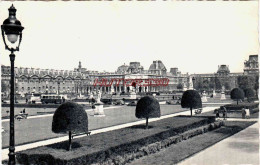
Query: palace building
(82, 81)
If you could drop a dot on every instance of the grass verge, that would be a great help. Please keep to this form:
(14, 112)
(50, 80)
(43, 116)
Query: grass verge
(101, 147)
(178, 152)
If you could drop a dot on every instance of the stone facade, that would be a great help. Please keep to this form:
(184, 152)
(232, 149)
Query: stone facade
(251, 65)
(81, 81)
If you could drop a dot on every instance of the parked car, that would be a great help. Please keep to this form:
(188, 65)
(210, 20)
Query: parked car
(171, 102)
(174, 101)
(119, 102)
(6, 101)
(151, 93)
(133, 103)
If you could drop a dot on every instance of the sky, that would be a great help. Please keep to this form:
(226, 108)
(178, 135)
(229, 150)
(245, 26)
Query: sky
(196, 37)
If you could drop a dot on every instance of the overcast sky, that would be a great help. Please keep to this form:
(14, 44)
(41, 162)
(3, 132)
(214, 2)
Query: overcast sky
(196, 37)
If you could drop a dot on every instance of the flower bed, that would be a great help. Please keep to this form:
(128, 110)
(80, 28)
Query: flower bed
(118, 145)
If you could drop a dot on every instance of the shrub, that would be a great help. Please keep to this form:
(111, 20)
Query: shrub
(249, 93)
(147, 107)
(70, 118)
(191, 99)
(237, 94)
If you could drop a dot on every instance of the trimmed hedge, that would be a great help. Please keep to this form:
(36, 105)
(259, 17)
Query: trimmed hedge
(191, 99)
(114, 146)
(147, 107)
(70, 116)
(237, 94)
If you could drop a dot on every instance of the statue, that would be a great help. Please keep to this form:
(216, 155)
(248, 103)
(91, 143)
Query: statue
(190, 84)
(223, 89)
(223, 97)
(204, 97)
(98, 96)
(99, 111)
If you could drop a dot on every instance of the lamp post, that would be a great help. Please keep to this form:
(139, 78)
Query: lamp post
(12, 29)
(58, 87)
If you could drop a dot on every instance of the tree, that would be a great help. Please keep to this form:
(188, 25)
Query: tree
(246, 82)
(180, 86)
(191, 99)
(218, 84)
(147, 107)
(70, 118)
(227, 85)
(256, 86)
(237, 94)
(3, 87)
(211, 84)
(205, 85)
(199, 84)
(249, 93)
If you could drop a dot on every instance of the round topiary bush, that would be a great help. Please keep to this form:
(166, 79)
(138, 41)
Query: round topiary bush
(249, 93)
(237, 94)
(191, 99)
(70, 118)
(147, 107)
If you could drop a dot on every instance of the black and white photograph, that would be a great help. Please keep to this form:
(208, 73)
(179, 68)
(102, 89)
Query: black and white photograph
(129, 82)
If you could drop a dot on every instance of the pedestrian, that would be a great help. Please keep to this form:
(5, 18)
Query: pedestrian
(26, 100)
(243, 113)
(247, 113)
(24, 111)
(224, 112)
(217, 113)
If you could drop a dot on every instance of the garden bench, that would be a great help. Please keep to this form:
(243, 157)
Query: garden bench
(21, 116)
(78, 134)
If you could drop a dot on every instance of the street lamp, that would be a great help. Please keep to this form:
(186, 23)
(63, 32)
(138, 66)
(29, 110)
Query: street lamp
(58, 87)
(12, 29)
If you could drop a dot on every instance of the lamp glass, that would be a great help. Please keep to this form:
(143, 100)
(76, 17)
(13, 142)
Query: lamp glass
(12, 38)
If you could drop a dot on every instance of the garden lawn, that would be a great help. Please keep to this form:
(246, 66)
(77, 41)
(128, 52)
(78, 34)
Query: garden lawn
(37, 129)
(96, 148)
(180, 151)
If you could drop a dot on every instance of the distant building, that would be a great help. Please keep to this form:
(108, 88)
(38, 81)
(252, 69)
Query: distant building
(158, 68)
(81, 81)
(251, 65)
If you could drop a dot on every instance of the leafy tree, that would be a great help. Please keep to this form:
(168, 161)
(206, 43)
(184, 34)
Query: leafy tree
(199, 84)
(256, 86)
(3, 86)
(249, 93)
(218, 84)
(205, 85)
(191, 99)
(70, 118)
(246, 82)
(227, 86)
(237, 94)
(211, 84)
(180, 86)
(147, 107)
